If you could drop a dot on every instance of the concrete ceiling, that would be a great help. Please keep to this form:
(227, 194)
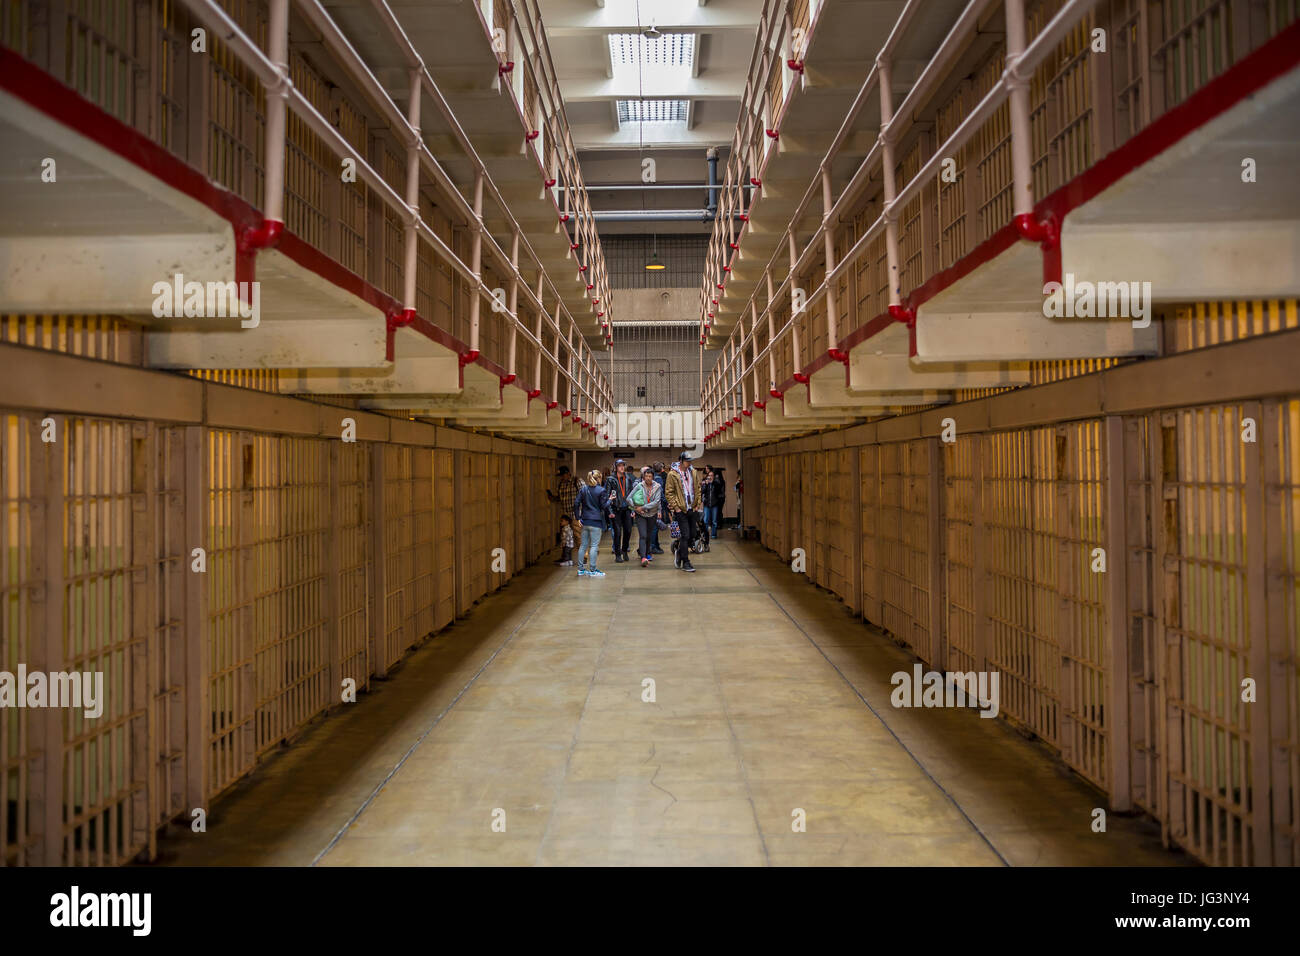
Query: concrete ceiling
(592, 83)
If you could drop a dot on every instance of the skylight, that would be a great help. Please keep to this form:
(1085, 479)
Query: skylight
(651, 111)
(651, 74)
(670, 51)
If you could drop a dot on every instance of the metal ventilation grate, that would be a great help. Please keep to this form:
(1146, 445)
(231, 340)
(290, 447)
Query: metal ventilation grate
(651, 111)
(666, 50)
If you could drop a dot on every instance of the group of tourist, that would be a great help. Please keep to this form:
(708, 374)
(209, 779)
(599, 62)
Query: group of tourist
(680, 499)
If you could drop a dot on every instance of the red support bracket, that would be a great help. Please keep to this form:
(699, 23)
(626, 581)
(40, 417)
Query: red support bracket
(589, 288)
(801, 378)
(566, 413)
(755, 181)
(747, 413)
(736, 420)
(760, 405)
(796, 65)
(838, 355)
(1046, 232)
(265, 236)
(400, 319)
(564, 217)
(734, 245)
(726, 268)
(776, 393)
(901, 313)
(534, 393)
(718, 284)
(582, 268)
(468, 357)
(508, 379)
(573, 245)
(773, 133)
(507, 67)
(550, 183)
(551, 405)
(743, 217)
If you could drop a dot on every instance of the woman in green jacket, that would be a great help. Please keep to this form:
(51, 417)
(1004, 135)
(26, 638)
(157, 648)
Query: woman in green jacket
(645, 500)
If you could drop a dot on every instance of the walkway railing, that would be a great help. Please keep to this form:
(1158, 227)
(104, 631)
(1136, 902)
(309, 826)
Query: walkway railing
(1038, 112)
(264, 120)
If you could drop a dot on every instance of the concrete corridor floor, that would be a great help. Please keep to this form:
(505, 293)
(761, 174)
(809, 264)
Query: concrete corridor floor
(770, 697)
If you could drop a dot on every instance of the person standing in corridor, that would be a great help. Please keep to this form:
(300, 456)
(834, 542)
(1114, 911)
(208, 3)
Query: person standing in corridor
(646, 502)
(661, 479)
(566, 491)
(590, 506)
(716, 502)
(619, 486)
(740, 504)
(683, 491)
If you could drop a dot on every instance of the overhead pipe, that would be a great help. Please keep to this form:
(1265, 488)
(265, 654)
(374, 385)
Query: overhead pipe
(680, 187)
(654, 215)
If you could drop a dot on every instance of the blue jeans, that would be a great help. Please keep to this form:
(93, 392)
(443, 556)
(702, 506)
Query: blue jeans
(711, 515)
(590, 543)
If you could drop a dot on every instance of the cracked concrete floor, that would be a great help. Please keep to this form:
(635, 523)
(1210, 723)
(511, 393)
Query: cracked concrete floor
(520, 736)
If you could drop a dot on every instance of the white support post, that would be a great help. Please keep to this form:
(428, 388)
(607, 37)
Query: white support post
(889, 187)
(412, 194)
(514, 303)
(832, 306)
(1022, 183)
(277, 98)
(476, 263)
(771, 332)
(794, 318)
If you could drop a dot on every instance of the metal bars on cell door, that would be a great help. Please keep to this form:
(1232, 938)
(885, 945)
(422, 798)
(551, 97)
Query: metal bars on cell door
(225, 583)
(1133, 579)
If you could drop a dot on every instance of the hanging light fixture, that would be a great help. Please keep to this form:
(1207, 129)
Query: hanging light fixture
(654, 265)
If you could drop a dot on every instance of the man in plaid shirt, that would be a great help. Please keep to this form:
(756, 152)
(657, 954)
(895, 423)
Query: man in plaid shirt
(565, 495)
